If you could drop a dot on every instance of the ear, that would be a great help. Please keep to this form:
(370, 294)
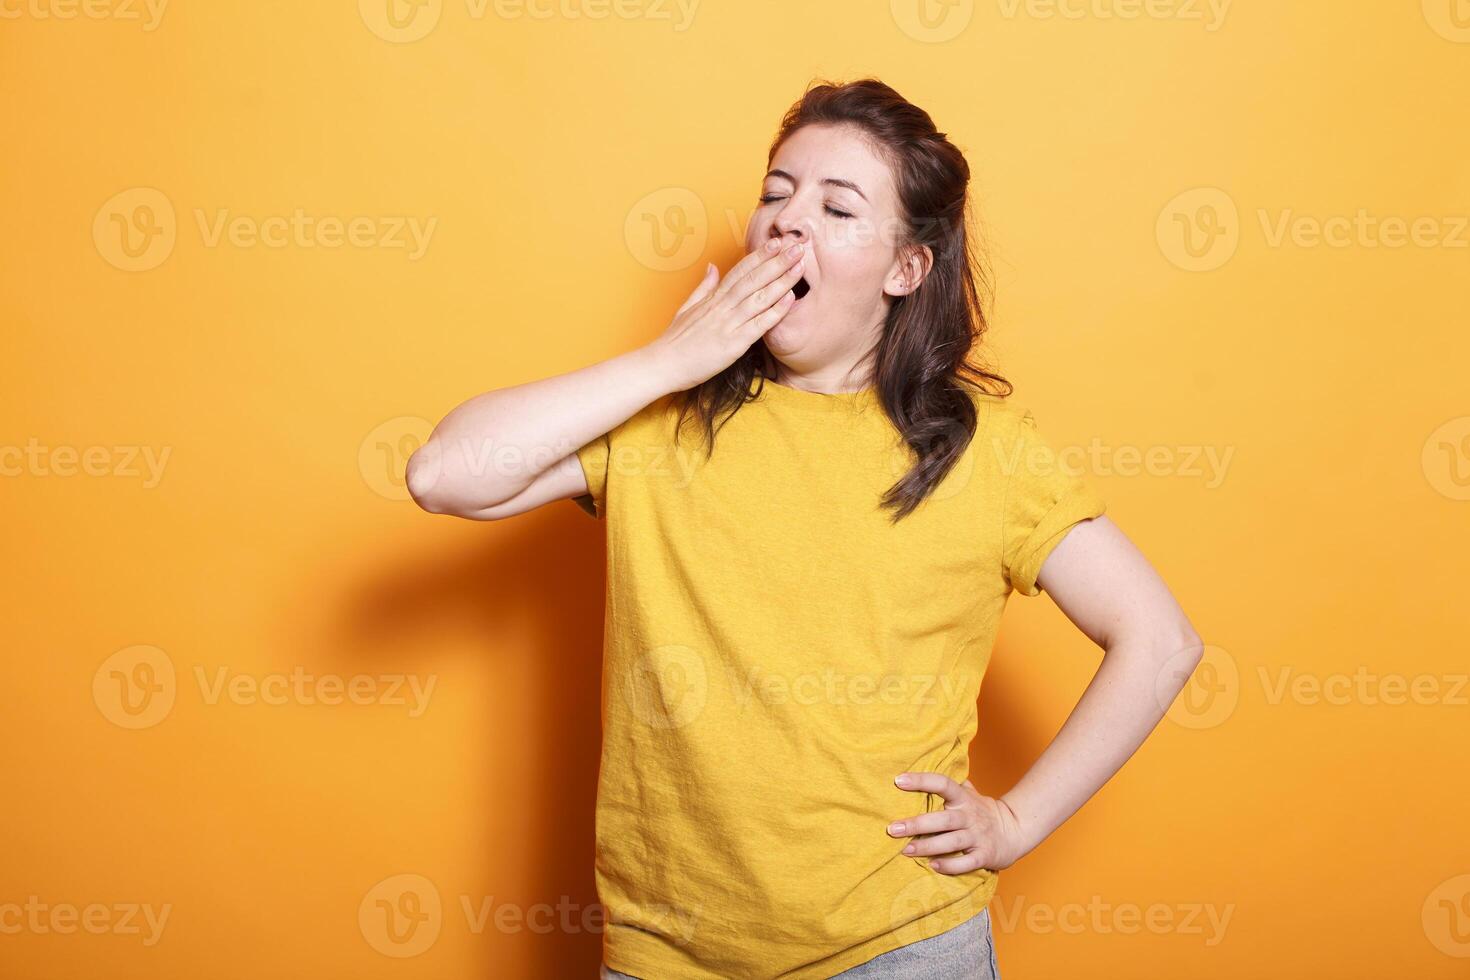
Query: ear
(909, 270)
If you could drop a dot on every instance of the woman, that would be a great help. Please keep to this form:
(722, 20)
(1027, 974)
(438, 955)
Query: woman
(817, 507)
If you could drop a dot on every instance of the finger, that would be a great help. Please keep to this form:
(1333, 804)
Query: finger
(927, 823)
(756, 326)
(957, 865)
(747, 262)
(705, 288)
(765, 295)
(932, 782)
(957, 840)
(736, 287)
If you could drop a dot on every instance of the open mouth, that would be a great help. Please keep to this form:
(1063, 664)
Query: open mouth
(801, 288)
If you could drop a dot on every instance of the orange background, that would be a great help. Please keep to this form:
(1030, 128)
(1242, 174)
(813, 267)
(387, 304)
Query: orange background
(1131, 173)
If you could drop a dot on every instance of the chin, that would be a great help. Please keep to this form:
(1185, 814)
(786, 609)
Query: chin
(777, 342)
(788, 335)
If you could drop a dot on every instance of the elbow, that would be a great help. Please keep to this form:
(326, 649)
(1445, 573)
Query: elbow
(424, 476)
(1174, 641)
(437, 490)
(1196, 648)
(1183, 644)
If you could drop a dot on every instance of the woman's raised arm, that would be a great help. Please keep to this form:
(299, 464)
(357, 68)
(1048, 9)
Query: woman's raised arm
(506, 451)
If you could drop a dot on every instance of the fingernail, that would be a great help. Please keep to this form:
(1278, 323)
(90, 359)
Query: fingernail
(896, 827)
(902, 780)
(909, 849)
(773, 244)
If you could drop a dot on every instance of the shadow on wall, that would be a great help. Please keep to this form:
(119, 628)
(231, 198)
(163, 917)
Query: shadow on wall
(538, 575)
(1011, 736)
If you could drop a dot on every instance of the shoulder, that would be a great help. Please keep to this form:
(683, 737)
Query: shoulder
(1007, 439)
(997, 414)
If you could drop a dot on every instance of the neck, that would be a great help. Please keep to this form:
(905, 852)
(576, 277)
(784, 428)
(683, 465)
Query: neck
(831, 381)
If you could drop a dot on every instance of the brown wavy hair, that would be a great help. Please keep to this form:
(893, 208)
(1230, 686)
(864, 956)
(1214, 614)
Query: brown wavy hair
(924, 364)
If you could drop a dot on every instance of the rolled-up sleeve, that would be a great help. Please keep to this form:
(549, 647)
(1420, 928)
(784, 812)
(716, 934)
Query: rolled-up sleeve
(594, 457)
(1044, 499)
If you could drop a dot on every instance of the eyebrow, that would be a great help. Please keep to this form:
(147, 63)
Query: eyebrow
(834, 181)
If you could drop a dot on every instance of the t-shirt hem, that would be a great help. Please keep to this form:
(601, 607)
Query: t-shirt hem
(646, 959)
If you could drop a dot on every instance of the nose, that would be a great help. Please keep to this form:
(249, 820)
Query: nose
(791, 223)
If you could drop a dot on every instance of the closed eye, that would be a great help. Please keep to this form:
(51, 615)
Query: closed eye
(768, 198)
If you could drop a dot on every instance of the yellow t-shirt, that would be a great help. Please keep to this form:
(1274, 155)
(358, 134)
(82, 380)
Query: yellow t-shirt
(776, 652)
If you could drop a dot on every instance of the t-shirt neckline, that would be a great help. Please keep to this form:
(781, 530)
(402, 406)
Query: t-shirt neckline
(812, 401)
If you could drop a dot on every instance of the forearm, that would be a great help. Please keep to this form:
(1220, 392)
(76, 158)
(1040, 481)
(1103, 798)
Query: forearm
(1127, 698)
(493, 446)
